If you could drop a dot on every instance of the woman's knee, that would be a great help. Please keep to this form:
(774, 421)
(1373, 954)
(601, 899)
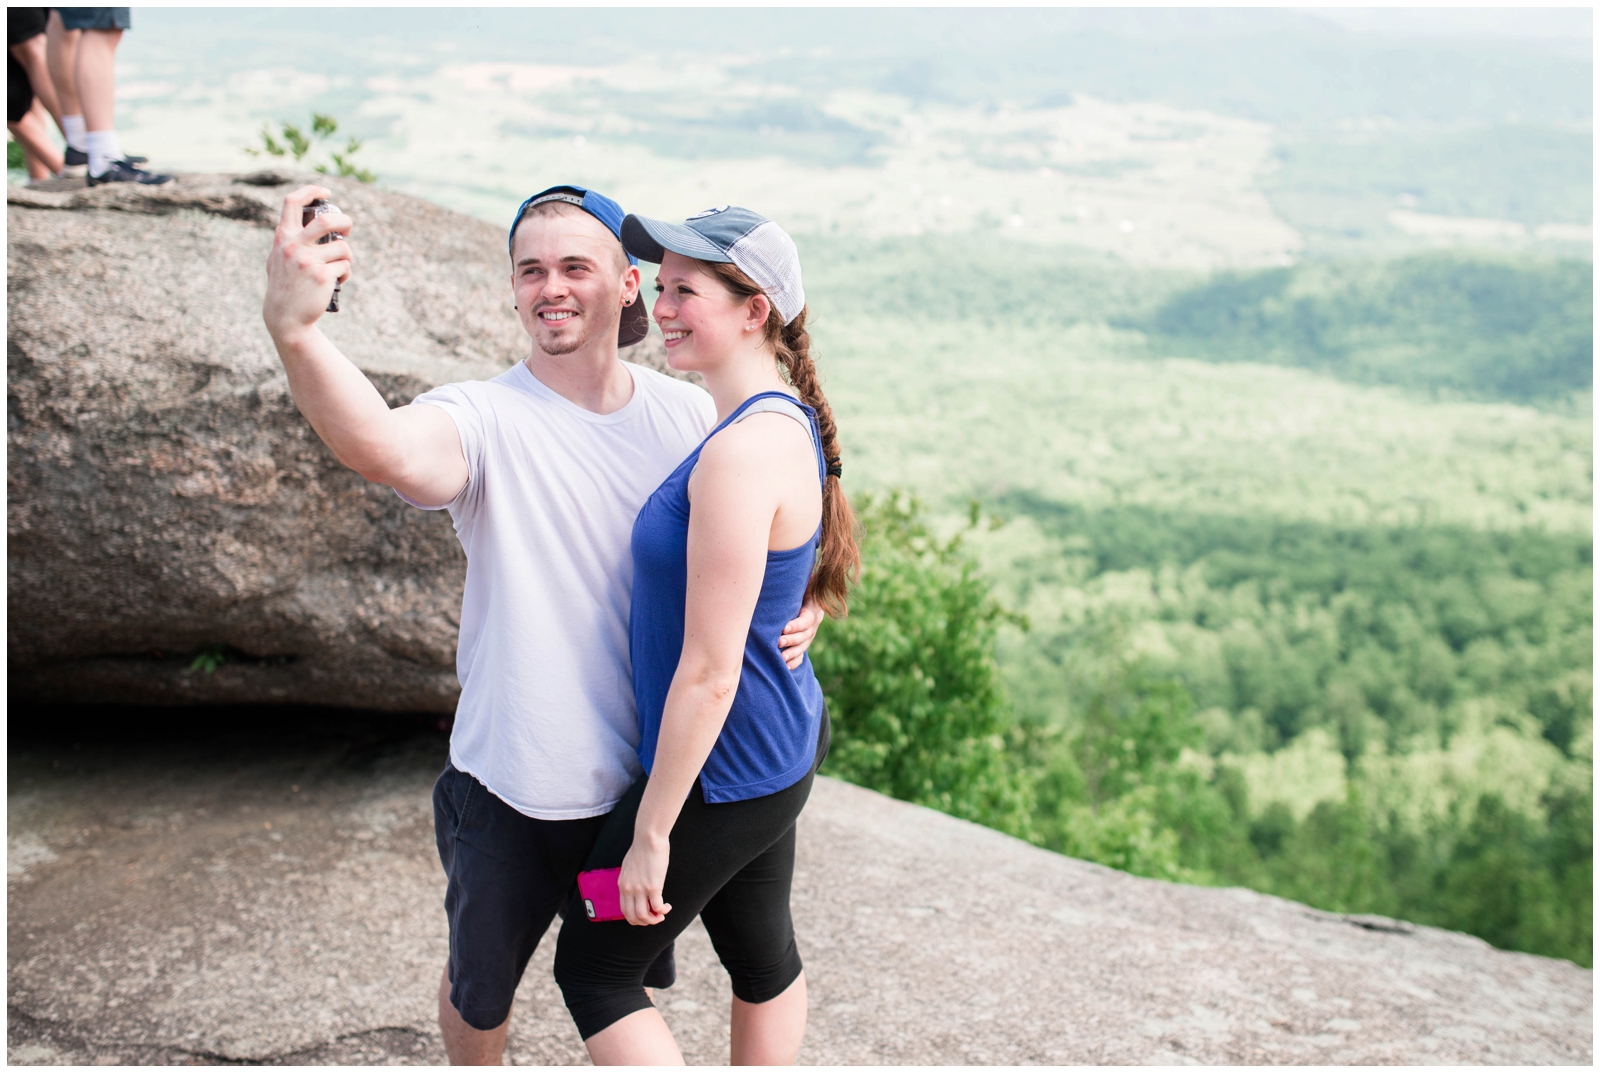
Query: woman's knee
(598, 987)
(574, 967)
(758, 980)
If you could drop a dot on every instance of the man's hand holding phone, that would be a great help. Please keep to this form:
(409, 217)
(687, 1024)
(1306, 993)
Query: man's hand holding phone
(799, 633)
(303, 271)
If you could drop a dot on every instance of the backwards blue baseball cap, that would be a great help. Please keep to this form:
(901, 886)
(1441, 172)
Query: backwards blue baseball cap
(635, 324)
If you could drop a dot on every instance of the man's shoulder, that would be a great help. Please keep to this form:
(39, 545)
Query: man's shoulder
(476, 392)
(672, 390)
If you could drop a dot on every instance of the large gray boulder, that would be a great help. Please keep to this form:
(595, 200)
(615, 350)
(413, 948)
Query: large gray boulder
(165, 497)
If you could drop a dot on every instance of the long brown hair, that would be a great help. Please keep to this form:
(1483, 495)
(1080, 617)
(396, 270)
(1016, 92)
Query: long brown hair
(839, 556)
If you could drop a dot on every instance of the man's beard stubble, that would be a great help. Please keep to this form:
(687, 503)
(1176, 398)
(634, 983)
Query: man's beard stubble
(569, 344)
(561, 347)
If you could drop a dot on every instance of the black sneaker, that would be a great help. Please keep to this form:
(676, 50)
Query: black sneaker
(123, 171)
(75, 164)
(77, 158)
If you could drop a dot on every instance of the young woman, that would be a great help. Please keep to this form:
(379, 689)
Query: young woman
(750, 524)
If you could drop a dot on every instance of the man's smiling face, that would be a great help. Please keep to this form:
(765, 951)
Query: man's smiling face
(571, 280)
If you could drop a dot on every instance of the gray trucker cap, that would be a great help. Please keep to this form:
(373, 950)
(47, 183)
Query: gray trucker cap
(760, 248)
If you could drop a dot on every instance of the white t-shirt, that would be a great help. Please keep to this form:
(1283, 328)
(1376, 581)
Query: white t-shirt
(546, 718)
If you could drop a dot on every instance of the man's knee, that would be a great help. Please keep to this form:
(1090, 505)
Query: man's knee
(481, 1019)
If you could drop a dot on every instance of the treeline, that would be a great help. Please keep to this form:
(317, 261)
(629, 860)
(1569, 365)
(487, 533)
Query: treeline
(1469, 325)
(1438, 677)
(1003, 282)
(1531, 172)
(1453, 324)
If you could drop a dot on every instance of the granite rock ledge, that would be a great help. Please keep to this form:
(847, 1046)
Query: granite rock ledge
(165, 496)
(310, 932)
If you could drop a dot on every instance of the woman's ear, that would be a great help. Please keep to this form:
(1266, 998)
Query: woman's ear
(760, 309)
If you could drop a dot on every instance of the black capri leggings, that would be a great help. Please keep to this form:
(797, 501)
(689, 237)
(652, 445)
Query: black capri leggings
(732, 865)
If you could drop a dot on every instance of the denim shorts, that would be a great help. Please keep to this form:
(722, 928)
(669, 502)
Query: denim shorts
(96, 18)
(508, 874)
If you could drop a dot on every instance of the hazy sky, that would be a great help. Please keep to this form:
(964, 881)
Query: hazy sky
(1569, 29)
(1195, 136)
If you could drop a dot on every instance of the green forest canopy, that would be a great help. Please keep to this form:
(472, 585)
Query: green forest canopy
(1464, 324)
(1345, 182)
(1388, 716)
(1467, 324)
(1410, 653)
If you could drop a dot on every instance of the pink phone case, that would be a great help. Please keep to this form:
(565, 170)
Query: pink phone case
(601, 899)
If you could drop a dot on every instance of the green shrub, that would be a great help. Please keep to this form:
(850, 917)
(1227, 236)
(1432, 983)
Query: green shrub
(293, 142)
(910, 675)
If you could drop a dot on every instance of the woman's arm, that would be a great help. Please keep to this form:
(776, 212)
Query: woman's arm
(736, 491)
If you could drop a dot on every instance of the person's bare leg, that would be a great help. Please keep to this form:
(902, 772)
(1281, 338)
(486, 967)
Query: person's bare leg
(95, 76)
(61, 53)
(768, 1033)
(33, 134)
(31, 54)
(35, 168)
(463, 1044)
(639, 1039)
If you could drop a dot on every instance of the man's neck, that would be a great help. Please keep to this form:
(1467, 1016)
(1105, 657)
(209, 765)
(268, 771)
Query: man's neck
(595, 381)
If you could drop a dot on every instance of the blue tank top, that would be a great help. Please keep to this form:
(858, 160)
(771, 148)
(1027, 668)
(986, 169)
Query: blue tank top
(770, 738)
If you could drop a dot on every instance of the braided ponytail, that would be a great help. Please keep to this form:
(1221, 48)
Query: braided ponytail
(838, 556)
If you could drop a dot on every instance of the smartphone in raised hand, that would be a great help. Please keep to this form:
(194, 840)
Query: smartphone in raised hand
(321, 207)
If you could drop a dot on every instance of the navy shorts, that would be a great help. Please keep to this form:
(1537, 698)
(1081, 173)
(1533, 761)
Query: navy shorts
(22, 24)
(19, 90)
(508, 876)
(25, 23)
(96, 18)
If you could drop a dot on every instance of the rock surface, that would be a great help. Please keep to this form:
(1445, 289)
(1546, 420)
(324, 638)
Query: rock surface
(165, 496)
(278, 900)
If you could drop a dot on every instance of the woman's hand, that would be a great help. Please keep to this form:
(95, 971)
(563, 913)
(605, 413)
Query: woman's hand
(644, 873)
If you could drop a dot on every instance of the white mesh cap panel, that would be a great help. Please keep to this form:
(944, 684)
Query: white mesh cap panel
(768, 256)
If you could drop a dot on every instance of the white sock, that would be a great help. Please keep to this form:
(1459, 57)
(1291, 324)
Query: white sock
(103, 150)
(75, 131)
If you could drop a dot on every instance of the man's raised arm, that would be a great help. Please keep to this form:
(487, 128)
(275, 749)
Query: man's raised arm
(413, 449)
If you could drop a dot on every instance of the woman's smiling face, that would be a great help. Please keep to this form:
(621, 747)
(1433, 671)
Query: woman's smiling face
(702, 321)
